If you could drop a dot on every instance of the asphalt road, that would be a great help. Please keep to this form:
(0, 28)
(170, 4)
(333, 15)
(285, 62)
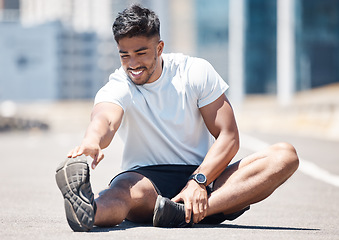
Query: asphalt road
(31, 206)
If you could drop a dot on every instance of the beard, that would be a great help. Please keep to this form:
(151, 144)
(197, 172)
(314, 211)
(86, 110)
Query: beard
(146, 75)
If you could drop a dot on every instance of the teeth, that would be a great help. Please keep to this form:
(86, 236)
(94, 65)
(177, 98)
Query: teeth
(136, 72)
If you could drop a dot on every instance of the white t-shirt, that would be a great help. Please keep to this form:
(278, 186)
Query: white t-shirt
(162, 123)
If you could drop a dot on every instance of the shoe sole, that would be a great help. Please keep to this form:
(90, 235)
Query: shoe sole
(70, 176)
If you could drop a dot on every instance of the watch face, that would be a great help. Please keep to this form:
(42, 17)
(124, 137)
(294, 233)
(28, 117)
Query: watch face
(200, 178)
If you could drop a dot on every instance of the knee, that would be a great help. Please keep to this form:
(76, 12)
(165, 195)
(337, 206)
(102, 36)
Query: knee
(132, 186)
(121, 187)
(286, 156)
(114, 195)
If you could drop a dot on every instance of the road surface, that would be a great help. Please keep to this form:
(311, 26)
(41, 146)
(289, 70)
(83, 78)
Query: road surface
(31, 206)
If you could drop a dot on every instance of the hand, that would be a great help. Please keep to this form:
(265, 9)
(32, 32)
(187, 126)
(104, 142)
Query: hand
(89, 149)
(194, 196)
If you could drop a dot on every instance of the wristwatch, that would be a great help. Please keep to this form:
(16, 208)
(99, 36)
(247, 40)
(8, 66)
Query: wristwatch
(199, 178)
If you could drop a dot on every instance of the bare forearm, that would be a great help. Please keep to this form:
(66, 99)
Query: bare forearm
(99, 132)
(194, 195)
(105, 121)
(219, 156)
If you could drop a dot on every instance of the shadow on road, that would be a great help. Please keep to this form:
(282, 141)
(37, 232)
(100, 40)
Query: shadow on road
(123, 226)
(256, 227)
(127, 225)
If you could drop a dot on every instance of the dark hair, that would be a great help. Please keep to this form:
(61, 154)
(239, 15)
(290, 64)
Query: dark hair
(136, 21)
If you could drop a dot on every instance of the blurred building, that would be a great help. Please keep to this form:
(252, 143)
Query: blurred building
(63, 49)
(47, 62)
(316, 44)
(58, 49)
(29, 62)
(261, 46)
(79, 15)
(9, 10)
(49, 53)
(211, 18)
(317, 40)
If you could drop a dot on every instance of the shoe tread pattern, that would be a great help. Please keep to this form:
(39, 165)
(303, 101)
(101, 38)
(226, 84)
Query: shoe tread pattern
(73, 180)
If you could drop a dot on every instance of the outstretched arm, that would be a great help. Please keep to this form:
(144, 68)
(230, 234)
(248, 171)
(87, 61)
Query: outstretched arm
(219, 119)
(105, 121)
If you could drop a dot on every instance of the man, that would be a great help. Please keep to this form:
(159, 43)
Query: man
(180, 135)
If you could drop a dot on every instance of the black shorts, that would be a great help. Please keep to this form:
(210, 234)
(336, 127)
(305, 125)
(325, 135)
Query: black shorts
(169, 180)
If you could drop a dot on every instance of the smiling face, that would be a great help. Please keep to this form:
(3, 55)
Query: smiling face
(141, 58)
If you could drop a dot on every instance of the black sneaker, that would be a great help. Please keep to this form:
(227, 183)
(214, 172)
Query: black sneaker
(72, 177)
(169, 214)
(220, 217)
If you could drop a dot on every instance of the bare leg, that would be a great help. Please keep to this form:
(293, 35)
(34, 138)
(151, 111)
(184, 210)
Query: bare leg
(130, 196)
(253, 179)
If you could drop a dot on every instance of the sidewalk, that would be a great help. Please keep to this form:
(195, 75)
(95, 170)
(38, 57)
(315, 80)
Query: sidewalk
(313, 113)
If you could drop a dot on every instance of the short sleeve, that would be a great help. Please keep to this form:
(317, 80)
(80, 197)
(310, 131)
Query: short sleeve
(116, 91)
(206, 82)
